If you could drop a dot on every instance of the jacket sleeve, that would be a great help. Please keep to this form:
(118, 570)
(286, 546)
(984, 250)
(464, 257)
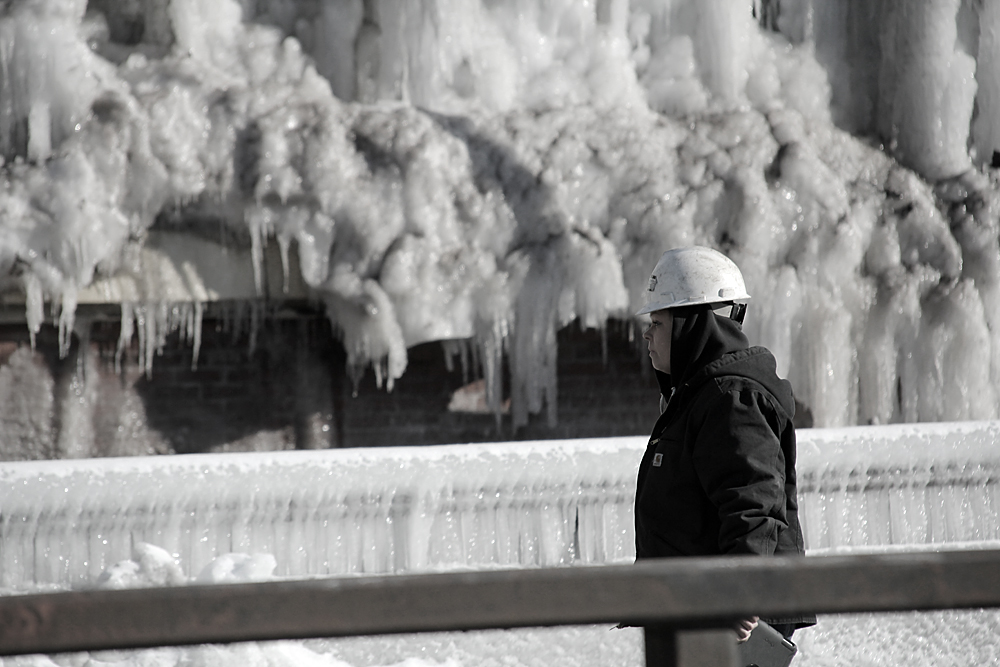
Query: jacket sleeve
(740, 465)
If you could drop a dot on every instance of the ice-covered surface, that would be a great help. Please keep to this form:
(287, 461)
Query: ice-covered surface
(900, 484)
(934, 486)
(503, 504)
(335, 511)
(492, 171)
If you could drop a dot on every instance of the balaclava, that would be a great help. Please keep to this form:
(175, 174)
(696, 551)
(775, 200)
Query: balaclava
(699, 337)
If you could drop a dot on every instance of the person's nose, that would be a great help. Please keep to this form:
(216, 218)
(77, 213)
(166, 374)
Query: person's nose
(646, 335)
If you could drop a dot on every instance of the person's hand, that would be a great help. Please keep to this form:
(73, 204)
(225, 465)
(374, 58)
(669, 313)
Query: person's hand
(744, 627)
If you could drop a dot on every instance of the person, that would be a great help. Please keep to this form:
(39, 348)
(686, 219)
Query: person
(718, 474)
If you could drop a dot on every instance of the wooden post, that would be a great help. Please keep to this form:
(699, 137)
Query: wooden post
(669, 647)
(706, 648)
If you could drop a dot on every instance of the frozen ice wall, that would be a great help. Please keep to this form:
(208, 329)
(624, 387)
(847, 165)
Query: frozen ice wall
(494, 171)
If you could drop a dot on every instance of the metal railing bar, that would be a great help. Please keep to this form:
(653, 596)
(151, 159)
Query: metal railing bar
(684, 593)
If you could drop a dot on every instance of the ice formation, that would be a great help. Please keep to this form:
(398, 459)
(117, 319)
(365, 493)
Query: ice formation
(223, 518)
(494, 171)
(404, 509)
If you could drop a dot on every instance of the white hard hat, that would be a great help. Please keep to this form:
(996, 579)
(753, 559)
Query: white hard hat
(691, 276)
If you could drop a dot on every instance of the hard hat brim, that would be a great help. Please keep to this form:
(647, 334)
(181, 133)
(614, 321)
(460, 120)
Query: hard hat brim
(653, 307)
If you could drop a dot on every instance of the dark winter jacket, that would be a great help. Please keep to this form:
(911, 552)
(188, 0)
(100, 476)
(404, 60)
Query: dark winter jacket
(718, 475)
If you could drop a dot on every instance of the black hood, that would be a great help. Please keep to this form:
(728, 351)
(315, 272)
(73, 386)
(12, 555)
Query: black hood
(699, 341)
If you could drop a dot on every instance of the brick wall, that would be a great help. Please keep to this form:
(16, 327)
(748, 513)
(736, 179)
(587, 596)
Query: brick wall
(284, 385)
(596, 398)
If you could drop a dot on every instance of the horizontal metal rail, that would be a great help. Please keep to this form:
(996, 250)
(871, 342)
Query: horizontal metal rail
(679, 593)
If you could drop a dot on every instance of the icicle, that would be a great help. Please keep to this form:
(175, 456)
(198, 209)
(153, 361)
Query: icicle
(8, 32)
(196, 337)
(186, 316)
(283, 244)
(464, 352)
(34, 304)
(724, 33)
(82, 328)
(161, 326)
(448, 347)
(146, 322)
(492, 326)
(142, 328)
(67, 314)
(258, 221)
(534, 351)
(492, 344)
(39, 131)
(929, 87)
(986, 125)
(456, 348)
(125, 333)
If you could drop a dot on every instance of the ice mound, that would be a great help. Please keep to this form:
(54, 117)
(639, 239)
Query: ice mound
(151, 565)
(490, 172)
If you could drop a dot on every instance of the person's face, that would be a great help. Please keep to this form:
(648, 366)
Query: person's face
(657, 336)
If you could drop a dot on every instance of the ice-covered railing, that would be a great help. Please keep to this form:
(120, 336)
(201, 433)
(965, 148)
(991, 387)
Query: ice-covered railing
(494, 505)
(904, 484)
(335, 511)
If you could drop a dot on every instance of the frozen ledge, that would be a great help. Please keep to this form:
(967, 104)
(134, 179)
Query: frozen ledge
(183, 268)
